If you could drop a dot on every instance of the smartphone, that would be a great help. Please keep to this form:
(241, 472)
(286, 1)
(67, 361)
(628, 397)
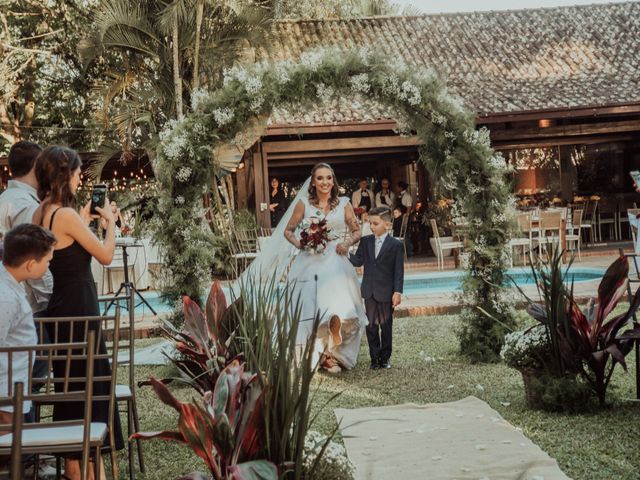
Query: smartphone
(98, 197)
(635, 176)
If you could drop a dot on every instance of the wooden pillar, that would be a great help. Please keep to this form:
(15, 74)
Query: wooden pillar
(261, 180)
(242, 197)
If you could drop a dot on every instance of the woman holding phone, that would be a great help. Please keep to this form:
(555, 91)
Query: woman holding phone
(74, 291)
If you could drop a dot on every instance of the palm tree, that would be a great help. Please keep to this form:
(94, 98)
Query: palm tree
(159, 52)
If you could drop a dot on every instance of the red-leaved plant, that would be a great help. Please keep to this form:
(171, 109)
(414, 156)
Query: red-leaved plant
(585, 342)
(203, 343)
(227, 430)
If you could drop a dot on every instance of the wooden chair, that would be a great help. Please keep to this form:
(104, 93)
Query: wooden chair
(608, 215)
(266, 231)
(441, 246)
(403, 232)
(550, 226)
(16, 468)
(79, 329)
(524, 238)
(57, 437)
(126, 393)
(573, 236)
(589, 220)
(243, 248)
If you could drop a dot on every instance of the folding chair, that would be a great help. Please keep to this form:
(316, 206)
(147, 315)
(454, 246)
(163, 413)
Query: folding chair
(16, 468)
(441, 246)
(78, 329)
(55, 437)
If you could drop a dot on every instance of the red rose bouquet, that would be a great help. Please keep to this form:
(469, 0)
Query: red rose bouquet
(314, 234)
(359, 211)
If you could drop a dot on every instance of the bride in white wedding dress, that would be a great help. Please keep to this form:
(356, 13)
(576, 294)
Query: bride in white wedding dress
(335, 296)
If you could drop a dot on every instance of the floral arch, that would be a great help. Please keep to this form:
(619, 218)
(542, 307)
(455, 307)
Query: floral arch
(455, 152)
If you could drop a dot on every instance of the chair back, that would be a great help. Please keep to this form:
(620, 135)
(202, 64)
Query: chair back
(105, 330)
(247, 240)
(524, 222)
(404, 225)
(434, 229)
(56, 389)
(576, 219)
(266, 231)
(127, 335)
(550, 222)
(17, 420)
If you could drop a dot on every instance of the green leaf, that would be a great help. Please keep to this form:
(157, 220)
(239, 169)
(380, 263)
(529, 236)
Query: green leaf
(255, 470)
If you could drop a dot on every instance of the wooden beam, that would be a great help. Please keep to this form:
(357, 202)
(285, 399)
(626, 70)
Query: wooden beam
(575, 112)
(260, 183)
(567, 130)
(507, 145)
(338, 153)
(340, 144)
(305, 129)
(335, 161)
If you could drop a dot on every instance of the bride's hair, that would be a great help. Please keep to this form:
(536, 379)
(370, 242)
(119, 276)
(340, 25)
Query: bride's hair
(313, 195)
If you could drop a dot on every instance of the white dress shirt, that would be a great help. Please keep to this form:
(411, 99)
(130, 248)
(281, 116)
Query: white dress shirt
(357, 196)
(406, 199)
(379, 241)
(17, 206)
(388, 199)
(16, 329)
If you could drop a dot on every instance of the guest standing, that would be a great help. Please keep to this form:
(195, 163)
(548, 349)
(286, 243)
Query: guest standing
(74, 290)
(385, 197)
(405, 200)
(277, 205)
(362, 197)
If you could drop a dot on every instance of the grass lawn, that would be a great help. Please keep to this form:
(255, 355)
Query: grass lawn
(426, 368)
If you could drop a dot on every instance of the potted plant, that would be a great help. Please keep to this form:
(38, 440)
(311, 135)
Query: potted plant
(582, 348)
(440, 211)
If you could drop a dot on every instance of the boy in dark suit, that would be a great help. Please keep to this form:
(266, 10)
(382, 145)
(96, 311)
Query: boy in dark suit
(383, 259)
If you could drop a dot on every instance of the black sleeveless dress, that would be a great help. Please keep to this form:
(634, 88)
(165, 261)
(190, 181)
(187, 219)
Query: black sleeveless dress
(74, 295)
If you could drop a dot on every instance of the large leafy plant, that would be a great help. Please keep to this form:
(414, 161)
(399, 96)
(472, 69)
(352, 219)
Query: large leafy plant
(227, 429)
(584, 342)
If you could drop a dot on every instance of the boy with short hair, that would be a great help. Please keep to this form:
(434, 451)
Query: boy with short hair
(27, 251)
(383, 259)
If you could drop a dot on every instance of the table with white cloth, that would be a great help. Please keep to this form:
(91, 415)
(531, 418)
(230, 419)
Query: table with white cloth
(141, 255)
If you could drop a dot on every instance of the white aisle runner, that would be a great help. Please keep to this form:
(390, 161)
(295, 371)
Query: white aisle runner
(461, 440)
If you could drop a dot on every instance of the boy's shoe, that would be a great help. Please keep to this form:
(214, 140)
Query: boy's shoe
(375, 365)
(385, 365)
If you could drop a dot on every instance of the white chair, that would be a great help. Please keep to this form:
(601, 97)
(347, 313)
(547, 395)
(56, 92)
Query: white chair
(573, 236)
(524, 238)
(550, 226)
(403, 232)
(608, 216)
(441, 246)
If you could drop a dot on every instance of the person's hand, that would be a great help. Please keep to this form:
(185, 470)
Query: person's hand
(342, 248)
(106, 213)
(395, 300)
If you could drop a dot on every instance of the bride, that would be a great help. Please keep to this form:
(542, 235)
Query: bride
(335, 295)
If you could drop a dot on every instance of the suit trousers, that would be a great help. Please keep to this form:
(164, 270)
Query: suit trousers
(379, 329)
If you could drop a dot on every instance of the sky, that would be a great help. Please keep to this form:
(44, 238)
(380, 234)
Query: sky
(437, 6)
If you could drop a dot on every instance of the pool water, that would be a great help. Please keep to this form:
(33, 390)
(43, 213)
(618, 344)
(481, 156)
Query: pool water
(414, 284)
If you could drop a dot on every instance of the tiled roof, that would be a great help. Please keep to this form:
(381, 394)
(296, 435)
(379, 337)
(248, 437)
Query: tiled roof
(499, 61)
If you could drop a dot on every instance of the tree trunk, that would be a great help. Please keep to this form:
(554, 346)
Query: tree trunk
(177, 81)
(196, 54)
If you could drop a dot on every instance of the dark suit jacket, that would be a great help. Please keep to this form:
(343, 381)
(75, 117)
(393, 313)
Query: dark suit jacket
(383, 275)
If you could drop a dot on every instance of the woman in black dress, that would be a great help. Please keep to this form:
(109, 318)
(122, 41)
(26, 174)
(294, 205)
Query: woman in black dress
(276, 202)
(74, 291)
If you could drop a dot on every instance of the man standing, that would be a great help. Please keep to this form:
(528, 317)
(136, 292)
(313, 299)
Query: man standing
(363, 197)
(17, 205)
(385, 197)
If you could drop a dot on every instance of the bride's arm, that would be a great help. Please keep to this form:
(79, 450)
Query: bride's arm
(296, 218)
(354, 226)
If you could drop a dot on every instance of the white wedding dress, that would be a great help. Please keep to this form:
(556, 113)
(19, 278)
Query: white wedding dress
(335, 292)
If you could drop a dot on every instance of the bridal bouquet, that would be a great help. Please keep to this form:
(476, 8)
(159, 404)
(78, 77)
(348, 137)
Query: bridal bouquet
(314, 235)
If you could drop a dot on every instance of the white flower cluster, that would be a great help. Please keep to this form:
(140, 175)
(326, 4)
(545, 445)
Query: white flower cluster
(449, 134)
(525, 348)
(324, 92)
(410, 93)
(390, 85)
(471, 187)
(312, 59)
(184, 173)
(198, 97)
(360, 83)
(179, 200)
(253, 84)
(174, 146)
(223, 116)
(334, 455)
(234, 73)
(167, 129)
(256, 103)
(477, 137)
(438, 118)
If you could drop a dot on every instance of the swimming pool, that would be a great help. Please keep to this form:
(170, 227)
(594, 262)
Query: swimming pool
(422, 283)
(436, 282)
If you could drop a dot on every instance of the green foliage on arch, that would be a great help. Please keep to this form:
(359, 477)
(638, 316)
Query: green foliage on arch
(457, 154)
